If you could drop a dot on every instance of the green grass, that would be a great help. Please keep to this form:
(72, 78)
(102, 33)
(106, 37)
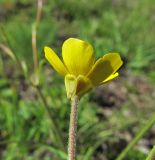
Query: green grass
(26, 131)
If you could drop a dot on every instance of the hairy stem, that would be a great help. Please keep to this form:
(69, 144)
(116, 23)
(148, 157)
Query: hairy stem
(73, 128)
(139, 135)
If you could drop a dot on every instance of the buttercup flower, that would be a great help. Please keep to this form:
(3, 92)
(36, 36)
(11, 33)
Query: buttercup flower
(79, 68)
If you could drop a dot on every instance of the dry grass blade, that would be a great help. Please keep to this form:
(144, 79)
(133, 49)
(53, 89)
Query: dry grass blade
(8, 51)
(34, 33)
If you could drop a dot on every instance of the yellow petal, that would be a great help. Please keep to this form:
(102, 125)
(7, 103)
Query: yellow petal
(78, 56)
(77, 85)
(104, 67)
(110, 77)
(71, 85)
(83, 85)
(54, 60)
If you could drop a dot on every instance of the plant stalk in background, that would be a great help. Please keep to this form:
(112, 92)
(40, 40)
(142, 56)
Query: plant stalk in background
(34, 33)
(35, 78)
(81, 74)
(54, 123)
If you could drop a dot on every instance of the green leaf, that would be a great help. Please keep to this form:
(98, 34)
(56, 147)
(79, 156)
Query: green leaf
(151, 155)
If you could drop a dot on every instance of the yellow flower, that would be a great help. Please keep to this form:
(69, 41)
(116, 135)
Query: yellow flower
(79, 68)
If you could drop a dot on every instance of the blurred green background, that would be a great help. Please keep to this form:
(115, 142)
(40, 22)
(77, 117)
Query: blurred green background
(34, 120)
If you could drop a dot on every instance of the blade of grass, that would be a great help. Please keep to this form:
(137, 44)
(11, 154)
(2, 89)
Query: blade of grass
(151, 155)
(139, 135)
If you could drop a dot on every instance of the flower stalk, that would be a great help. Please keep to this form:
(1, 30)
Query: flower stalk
(73, 128)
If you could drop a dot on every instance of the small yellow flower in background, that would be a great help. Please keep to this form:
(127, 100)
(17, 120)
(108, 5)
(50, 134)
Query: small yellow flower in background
(79, 68)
